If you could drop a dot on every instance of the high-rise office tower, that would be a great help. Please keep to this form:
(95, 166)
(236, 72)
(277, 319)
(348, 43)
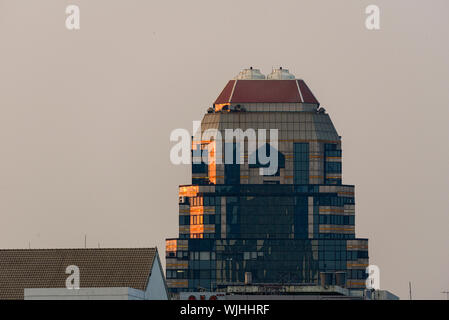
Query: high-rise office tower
(240, 221)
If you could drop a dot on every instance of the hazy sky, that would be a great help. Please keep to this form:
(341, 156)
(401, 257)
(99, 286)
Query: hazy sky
(85, 116)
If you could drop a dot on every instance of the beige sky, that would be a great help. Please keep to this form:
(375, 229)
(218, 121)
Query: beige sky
(85, 116)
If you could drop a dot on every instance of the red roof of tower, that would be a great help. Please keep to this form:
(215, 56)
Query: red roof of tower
(266, 91)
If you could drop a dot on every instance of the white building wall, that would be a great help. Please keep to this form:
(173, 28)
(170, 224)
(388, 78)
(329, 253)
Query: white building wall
(83, 294)
(156, 288)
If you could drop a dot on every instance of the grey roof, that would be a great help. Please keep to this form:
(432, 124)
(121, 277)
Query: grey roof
(45, 268)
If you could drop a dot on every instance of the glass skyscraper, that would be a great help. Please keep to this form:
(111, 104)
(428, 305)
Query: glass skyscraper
(296, 226)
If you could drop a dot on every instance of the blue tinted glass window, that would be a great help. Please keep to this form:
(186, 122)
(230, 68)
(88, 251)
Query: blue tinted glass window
(301, 163)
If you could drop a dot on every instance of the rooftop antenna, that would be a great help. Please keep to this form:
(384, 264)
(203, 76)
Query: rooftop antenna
(410, 289)
(446, 293)
(85, 241)
(29, 244)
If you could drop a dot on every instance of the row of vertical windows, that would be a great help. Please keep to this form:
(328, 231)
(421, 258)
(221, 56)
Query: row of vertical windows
(275, 275)
(336, 219)
(334, 153)
(301, 163)
(332, 201)
(333, 167)
(348, 255)
(196, 201)
(343, 254)
(199, 168)
(330, 147)
(357, 274)
(202, 255)
(211, 201)
(267, 236)
(232, 171)
(184, 220)
(286, 244)
(211, 274)
(273, 259)
(336, 236)
(319, 200)
(197, 219)
(200, 201)
(333, 181)
(197, 236)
